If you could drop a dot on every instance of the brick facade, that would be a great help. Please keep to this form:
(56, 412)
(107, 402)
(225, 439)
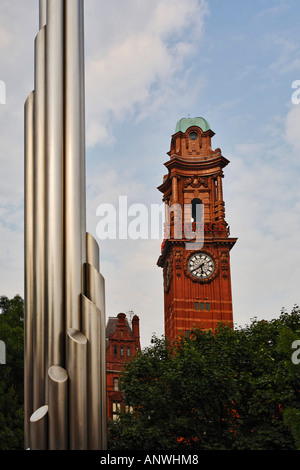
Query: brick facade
(123, 341)
(195, 298)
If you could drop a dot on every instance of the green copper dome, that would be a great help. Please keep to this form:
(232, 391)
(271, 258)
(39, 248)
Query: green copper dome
(185, 123)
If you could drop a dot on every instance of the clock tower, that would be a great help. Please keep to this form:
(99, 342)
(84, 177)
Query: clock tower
(195, 255)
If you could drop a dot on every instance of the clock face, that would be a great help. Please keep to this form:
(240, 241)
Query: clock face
(201, 266)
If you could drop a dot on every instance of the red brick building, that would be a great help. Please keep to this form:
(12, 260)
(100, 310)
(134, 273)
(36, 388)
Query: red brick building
(197, 282)
(123, 341)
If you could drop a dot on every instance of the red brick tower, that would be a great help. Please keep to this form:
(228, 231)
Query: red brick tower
(123, 341)
(197, 283)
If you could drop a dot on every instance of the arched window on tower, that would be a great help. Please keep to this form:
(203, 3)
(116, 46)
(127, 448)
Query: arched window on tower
(196, 209)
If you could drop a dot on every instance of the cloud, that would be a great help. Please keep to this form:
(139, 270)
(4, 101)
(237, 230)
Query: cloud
(263, 212)
(18, 27)
(137, 70)
(143, 58)
(278, 9)
(284, 55)
(16, 48)
(135, 282)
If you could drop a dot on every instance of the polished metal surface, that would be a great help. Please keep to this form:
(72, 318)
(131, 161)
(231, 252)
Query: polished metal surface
(77, 370)
(74, 155)
(65, 343)
(92, 252)
(39, 429)
(54, 183)
(96, 293)
(43, 13)
(58, 408)
(39, 326)
(102, 309)
(28, 262)
(91, 328)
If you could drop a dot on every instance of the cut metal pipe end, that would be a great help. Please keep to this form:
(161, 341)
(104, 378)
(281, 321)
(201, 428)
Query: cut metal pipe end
(38, 429)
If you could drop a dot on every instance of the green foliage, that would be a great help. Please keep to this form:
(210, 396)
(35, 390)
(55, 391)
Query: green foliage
(231, 389)
(291, 417)
(11, 374)
(286, 345)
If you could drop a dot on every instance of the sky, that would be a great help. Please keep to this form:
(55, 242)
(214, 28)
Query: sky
(148, 64)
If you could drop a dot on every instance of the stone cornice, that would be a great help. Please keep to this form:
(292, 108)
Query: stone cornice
(209, 166)
(170, 243)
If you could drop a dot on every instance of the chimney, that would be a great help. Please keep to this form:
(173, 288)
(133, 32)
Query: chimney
(136, 327)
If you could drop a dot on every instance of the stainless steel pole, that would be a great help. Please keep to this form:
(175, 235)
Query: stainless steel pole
(58, 408)
(43, 13)
(39, 221)
(64, 290)
(91, 328)
(54, 183)
(96, 293)
(92, 252)
(77, 371)
(29, 265)
(102, 308)
(39, 429)
(74, 156)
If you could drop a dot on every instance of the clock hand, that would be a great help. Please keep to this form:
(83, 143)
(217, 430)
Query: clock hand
(197, 268)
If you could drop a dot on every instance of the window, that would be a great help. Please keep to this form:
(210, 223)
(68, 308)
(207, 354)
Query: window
(116, 384)
(197, 209)
(121, 351)
(187, 333)
(115, 350)
(193, 135)
(203, 306)
(128, 409)
(116, 408)
(128, 352)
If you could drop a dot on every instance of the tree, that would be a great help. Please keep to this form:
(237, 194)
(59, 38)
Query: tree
(223, 390)
(289, 345)
(11, 374)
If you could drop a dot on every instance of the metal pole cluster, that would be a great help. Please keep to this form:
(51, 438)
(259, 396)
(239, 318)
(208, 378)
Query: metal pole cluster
(65, 365)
